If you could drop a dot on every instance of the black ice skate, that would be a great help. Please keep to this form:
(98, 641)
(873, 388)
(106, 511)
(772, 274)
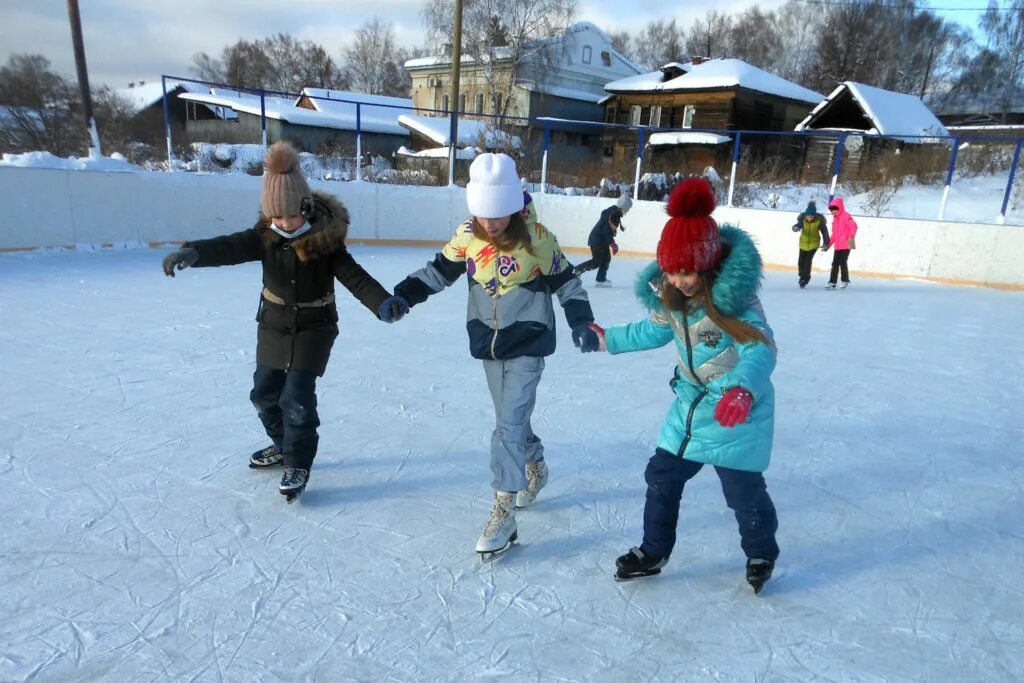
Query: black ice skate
(267, 457)
(636, 564)
(293, 483)
(758, 573)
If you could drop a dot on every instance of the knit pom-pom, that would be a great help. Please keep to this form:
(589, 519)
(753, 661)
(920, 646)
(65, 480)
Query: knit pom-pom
(281, 158)
(692, 197)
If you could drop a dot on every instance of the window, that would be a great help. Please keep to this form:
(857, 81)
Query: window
(634, 115)
(462, 102)
(587, 52)
(655, 117)
(496, 100)
(444, 103)
(609, 112)
(688, 116)
(606, 58)
(479, 109)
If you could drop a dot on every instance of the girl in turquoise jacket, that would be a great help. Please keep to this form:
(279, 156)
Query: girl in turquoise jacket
(702, 294)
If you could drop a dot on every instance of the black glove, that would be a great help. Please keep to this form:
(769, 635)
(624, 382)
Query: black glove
(585, 338)
(393, 309)
(181, 259)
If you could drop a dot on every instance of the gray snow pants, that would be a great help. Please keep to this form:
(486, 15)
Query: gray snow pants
(513, 384)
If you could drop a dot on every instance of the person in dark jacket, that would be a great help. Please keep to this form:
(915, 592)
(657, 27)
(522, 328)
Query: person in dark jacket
(602, 240)
(813, 234)
(300, 238)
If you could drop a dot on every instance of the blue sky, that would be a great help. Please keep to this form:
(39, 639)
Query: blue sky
(129, 40)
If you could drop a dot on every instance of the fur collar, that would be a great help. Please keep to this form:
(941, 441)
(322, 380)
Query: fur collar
(739, 276)
(329, 228)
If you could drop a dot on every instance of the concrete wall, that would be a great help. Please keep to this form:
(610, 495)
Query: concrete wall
(47, 207)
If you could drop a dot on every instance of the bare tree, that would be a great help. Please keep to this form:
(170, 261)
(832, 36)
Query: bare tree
(280, 62)
(37, 108)
(373, 64)
(513, 33)
(798, 31)
(622, 41)
(659, 43)
(755, 38)
(709, 37)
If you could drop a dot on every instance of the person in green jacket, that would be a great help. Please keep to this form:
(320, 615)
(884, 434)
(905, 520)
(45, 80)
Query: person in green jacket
(813, 234)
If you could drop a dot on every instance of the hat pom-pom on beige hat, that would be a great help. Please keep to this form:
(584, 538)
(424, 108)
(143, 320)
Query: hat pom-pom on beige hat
(284, 186)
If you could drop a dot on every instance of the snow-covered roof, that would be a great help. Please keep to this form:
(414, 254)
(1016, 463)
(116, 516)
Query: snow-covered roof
(339, 115)
(148, 94)
(715, 74)
(891, 113)
(437, 60)
(562, 91)
(438, 153)
(667, 139)
(470, 131)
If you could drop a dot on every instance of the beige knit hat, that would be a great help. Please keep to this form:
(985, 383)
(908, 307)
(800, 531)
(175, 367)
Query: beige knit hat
(284, 186)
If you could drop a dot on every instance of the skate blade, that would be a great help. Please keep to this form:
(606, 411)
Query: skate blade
(292, 496)
(487, 556)
(638, 575)
(758, 587)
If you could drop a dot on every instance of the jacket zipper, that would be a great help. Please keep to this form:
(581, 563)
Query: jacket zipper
(693, 373)
(494, 308)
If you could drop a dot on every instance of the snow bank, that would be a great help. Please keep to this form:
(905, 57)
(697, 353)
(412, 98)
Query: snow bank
(115, 162)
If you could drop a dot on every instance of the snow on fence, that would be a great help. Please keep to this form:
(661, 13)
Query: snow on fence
(61, 208)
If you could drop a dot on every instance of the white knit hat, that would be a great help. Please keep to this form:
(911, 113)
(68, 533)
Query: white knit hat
(494, 189)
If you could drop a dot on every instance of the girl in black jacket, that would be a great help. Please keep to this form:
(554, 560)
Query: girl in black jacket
(300, 238)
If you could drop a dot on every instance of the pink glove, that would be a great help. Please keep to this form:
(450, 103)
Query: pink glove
(734, 407)
(615, 248)
(599, 331)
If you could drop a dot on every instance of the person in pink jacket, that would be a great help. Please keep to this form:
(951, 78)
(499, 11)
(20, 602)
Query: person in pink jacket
(844, 228)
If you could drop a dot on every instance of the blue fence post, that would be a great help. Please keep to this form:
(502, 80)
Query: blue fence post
(359, 142)
(263, 118)
(167, 125)
(1001, 219)
(453, 127)
(840, 144)
(949, 177)
(735, 166)
(639, 157)
(544, 159)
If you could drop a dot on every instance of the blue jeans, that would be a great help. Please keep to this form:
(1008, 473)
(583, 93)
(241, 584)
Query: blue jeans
(286, 402)
(745, 493)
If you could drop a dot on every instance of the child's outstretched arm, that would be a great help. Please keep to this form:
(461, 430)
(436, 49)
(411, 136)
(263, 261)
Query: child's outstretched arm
(448, 266)
(650, 333)
(361, 284)
(562, 281)
(226, 250)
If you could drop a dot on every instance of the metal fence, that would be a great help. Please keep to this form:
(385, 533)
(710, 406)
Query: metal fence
(555, 152)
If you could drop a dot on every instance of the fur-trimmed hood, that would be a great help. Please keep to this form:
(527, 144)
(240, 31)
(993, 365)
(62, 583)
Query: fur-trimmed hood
(329, 228)
(739, 277)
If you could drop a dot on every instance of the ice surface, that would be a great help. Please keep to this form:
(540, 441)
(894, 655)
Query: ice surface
(138, 545)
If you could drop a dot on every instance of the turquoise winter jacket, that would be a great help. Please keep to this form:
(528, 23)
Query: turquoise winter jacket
(711, 362)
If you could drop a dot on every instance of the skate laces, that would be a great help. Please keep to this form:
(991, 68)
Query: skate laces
(499, 514)
(270, 450)
(294, 475)
(534, 476)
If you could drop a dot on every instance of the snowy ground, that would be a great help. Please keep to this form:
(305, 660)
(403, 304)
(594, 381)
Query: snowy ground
(137, 545)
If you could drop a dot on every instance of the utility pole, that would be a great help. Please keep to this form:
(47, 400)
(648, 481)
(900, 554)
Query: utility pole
(453, 98)
(83, 79)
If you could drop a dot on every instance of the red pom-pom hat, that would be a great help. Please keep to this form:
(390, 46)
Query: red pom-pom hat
(690, 241)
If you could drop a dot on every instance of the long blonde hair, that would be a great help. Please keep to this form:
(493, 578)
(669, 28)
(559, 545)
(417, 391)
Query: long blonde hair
(517, 233)
(674, 300)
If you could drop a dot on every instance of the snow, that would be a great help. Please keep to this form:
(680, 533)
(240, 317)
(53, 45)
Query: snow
(339, 115)
(660, 139)
(437, 129)
(147, 94)
(114, 162)
(439, 152)
(138, 545)
(716, 73)
(891, 113)
(562, 91)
